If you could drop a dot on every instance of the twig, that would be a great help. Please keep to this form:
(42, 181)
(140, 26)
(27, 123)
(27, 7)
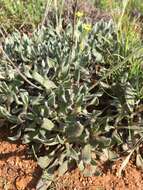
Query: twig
(46, 13)
(17, 69)
(73, 31)
(74, 20)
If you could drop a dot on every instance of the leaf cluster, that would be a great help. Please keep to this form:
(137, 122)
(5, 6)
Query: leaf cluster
(78, 109)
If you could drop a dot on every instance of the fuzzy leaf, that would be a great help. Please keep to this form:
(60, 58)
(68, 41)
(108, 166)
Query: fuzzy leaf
(81, 166)
(17, 136)
(86, 154)
(25, 98)
(43, 184)
(124, 164)
(47, 124)
(110, 155)
(139, 161)
(71, 153)
(75, 130)
(63, 168)
(44, 162)
(44, 82)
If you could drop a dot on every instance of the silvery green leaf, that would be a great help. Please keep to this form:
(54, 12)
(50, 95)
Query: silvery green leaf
(105, 85)
(26, 139)
(86, 154)
(139, 161)
(63, 168)
(45, 82)
(72, 154)
(97, 55)
(103, 141)
(60, 140)
(17, 100)
(17, 136)
(110, 155)
(50, 62)
(94, 101)
(79, 99)
(51, 141)
(51, 100)
(25, 98)
(43, 184)
(84, 71)
(117, 138)
(75, 130)
(36, 100)
(124, 163)
(5, 88)
(5, 114)
(47, 124)
(81, 166)
(27, 71)
(30, 116)
(44, 161)
(130, 97)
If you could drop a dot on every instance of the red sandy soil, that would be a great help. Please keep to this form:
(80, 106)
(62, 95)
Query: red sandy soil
(132, 180)
(17, 170)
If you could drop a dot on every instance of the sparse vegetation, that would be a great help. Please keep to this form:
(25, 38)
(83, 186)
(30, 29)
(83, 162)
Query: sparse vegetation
(20, 14)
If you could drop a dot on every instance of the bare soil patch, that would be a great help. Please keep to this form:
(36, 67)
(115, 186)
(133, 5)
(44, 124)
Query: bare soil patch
(131, 180)
(17, 170)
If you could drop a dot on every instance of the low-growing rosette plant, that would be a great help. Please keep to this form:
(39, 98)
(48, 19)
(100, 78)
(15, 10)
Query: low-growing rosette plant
(73, 99)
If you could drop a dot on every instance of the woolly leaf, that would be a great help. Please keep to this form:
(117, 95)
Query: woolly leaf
(44, 82)
(47, 124)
